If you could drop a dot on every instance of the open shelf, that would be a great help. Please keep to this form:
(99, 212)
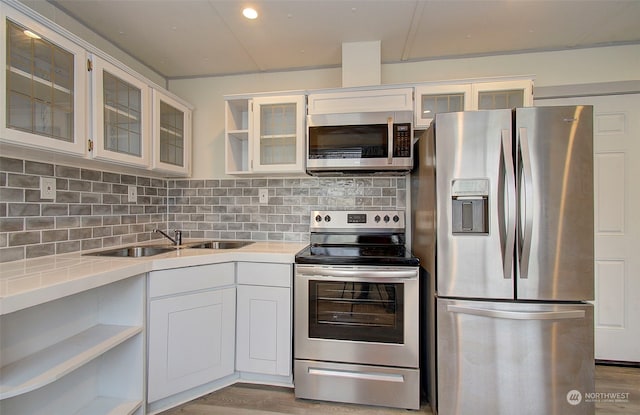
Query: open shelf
(48, 365)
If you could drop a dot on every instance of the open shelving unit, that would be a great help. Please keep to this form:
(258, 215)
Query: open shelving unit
(77, 355)
(237, 120)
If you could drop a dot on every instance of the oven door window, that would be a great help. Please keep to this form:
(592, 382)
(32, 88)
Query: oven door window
(356, 311)
(349, 142)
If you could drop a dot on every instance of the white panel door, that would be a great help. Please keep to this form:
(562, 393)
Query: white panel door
(264, 330)
(191, 341)
(617, 223)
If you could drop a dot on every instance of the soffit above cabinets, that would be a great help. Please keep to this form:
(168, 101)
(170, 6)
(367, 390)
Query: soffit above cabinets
(180, 38)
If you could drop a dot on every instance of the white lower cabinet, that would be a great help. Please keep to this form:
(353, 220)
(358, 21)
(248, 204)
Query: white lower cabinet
(191, 328)
(264, 334)
(81, 354)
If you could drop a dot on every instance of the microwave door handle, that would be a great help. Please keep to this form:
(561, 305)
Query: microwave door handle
(390, 140)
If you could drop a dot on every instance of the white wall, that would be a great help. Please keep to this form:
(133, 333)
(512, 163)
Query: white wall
(580, 66)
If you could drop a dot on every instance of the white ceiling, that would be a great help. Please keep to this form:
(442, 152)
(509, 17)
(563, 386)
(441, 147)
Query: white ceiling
(185, 38)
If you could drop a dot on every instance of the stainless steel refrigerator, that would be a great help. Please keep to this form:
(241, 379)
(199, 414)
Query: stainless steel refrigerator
(502, 221)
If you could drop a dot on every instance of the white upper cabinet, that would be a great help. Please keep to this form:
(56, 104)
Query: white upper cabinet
(171, 135)
(432, 99)
(279, 134)
(265, 134)
(43, 86)
(62, 94)
(361, 100)
(121, 115)
(435, 99)
(502, 94)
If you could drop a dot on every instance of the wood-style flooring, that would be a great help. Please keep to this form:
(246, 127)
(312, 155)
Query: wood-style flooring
(246, 399)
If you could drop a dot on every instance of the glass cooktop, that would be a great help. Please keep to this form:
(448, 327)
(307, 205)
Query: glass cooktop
(356, 255)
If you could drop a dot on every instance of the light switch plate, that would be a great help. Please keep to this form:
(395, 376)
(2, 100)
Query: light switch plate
(48, 188)
(132, 194)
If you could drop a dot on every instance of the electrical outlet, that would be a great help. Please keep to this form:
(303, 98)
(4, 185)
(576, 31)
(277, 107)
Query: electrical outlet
(48, 188)
(263, 195)
(132, 194)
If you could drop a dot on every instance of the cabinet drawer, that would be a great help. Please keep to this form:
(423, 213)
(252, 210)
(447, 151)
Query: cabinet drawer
(261, 273)
(180, 280)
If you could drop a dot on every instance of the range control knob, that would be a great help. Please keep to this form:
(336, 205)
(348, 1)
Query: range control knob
(396, 218)
(318, 218)
(386, 218)
(377, 218)
(327, 218)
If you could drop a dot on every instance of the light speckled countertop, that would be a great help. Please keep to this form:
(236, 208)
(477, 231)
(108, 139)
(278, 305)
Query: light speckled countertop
(31, 282)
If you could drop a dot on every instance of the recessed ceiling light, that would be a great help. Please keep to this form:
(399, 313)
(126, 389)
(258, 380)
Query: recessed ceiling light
(31, 34)
(250, 13)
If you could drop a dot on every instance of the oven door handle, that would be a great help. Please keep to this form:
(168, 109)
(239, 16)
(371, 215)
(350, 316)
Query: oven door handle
(358, 274)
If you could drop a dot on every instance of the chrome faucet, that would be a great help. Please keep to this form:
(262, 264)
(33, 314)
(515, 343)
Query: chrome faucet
(178, 238)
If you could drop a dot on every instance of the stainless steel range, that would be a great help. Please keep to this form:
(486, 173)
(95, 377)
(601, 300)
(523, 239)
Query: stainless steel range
(356, 311)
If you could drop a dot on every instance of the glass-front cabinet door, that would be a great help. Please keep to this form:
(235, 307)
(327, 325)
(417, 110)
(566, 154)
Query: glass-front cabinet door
(171, 140)
(278, 134)
(434, 99)
(503, 94)
(121, 115)
(43, 87)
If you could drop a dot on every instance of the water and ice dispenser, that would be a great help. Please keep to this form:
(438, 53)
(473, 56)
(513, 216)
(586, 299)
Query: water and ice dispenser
(470, 206)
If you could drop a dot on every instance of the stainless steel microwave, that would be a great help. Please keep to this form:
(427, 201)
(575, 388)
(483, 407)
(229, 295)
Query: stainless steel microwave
(354, 143)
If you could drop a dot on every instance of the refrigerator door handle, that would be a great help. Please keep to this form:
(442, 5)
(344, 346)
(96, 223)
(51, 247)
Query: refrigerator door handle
(510, 194)
(390, 140)
(517, 315)
(527, 207)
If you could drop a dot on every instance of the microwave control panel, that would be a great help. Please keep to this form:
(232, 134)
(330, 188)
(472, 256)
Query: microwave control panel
(402, 140)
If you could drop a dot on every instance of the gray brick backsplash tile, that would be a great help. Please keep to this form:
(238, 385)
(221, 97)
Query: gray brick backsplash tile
(55, 235)
(11, 224)
(67, 197)
(80, 233)
(11, 165)
(41, 169)
(23, 209)
(66, 247)
(40, 223)
(91, 175)
(62, 184)
(110, 177)
(67, 222)
(68, 172)
(79, 210)
(99, 187)
(33, 195)
(24, 181)
(52, 209)
(24, 238)
(91, 208)
(90, 244)
(35, 251)
(80, 186)
(11, 254)
(11, 195)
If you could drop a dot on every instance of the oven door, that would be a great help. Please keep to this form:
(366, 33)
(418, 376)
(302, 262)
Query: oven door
(357, 314)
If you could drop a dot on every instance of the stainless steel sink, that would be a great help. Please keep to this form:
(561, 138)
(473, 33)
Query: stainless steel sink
(150, 250)
(133, 251)
(218, 244)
